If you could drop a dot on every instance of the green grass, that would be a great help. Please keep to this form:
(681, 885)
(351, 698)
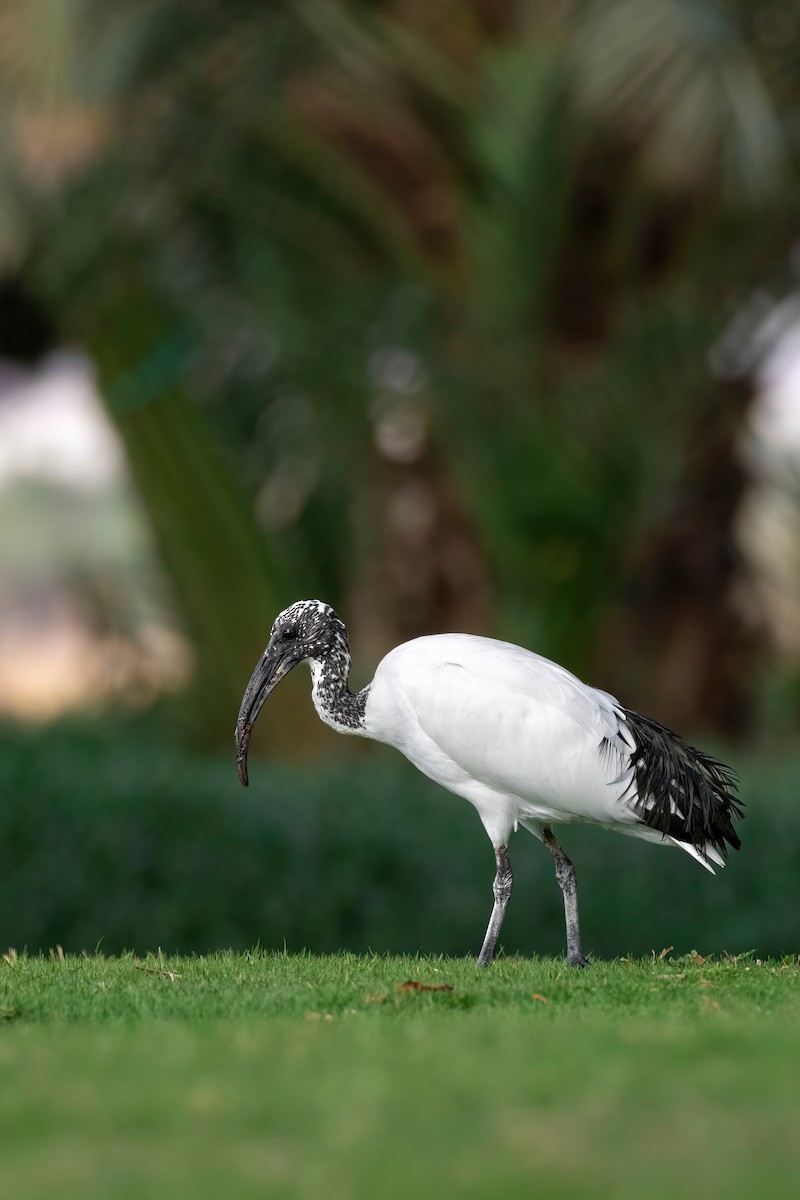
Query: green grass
(300, 1075)
(295, 1075)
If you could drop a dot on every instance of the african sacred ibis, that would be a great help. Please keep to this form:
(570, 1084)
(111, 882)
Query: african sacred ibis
(518, 736)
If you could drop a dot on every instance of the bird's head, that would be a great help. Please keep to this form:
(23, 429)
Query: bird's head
(308, 629)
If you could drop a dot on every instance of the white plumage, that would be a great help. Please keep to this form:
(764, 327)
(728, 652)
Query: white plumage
(509, 731)
(525, 741)
(513, 733)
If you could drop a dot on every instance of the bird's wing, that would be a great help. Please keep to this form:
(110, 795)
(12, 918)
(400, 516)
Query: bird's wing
(493, 664)
(512, 720)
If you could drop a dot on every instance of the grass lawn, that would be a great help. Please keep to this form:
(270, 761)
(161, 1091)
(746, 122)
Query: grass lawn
(264, 1074)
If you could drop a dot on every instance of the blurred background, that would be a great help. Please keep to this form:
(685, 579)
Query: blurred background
(477, 316)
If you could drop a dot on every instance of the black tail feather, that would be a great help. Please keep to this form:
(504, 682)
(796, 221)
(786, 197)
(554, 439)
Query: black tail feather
(670, 775)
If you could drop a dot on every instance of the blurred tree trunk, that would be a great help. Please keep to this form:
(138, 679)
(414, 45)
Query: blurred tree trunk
(420, 567)
(215, 555)
(691, 612)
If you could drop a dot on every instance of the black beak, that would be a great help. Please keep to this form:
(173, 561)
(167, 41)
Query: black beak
(275, 662)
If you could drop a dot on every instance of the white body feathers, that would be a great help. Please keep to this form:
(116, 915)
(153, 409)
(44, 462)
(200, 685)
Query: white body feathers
(521, 738)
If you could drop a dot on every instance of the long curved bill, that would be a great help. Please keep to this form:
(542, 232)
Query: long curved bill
(273, 665)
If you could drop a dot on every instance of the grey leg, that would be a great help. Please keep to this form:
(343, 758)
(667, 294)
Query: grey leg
(565, 874)
(502, 890)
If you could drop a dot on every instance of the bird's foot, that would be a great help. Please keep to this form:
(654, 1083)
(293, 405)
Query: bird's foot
(577, 960)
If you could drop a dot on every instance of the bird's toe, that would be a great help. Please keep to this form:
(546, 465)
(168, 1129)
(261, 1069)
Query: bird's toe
(577, 960)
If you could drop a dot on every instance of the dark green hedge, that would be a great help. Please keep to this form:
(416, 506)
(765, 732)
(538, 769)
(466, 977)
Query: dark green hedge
(113, 842)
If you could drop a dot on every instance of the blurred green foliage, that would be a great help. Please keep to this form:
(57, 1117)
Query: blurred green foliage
(110, 841)
(285, 232)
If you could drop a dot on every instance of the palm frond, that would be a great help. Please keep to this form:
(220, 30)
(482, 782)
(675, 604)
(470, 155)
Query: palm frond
(675, 78)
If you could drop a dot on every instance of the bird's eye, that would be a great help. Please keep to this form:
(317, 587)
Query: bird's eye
(290, 633)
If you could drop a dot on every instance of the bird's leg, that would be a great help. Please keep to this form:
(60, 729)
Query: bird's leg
(502, 890)
(565, 874)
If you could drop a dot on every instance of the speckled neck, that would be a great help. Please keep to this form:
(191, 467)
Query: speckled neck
(336, 705)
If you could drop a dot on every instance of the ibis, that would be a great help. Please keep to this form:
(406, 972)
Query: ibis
(525, 741)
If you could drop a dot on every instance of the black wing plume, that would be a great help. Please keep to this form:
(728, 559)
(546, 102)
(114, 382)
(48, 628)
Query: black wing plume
(681, 791)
